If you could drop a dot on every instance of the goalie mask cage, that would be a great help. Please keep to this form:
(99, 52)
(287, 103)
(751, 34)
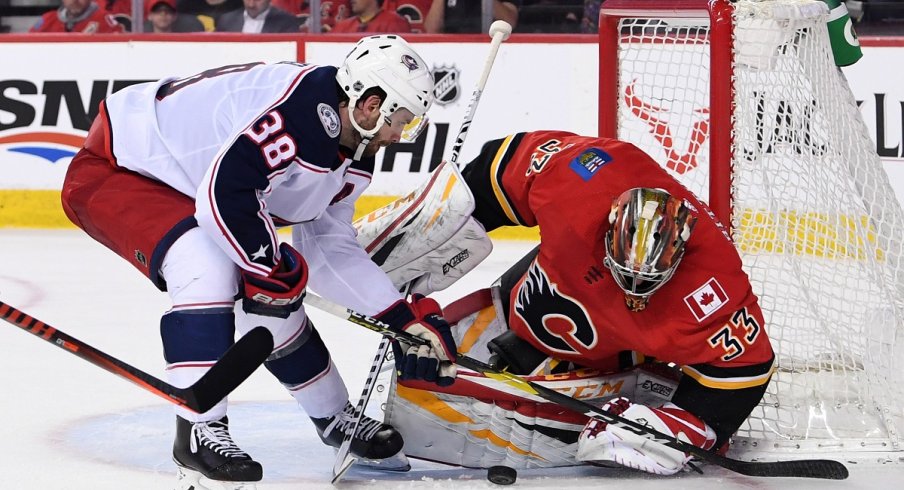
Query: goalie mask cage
(741, 101)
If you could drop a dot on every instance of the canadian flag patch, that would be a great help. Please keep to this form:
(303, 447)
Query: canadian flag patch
(706, 299)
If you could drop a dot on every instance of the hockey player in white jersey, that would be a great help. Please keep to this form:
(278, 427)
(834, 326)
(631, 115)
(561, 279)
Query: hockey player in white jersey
(188, 179)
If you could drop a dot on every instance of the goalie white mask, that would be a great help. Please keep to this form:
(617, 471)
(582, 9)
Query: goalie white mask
(387, 62)
(646, 241)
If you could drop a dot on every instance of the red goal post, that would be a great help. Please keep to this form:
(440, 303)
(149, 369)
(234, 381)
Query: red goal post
(721, 92)
(741, 102)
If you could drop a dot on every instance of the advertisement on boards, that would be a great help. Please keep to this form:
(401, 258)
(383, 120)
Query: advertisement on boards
(47, 108)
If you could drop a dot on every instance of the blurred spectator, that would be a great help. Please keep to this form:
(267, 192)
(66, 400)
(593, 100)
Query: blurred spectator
(208, 11)
(331, 12)
(370, 16)
(121, 10)
(162, 17)
(257, 17)
(590, 22)
(551, 16)
(413, 10)
(83, 16)
(464, 16)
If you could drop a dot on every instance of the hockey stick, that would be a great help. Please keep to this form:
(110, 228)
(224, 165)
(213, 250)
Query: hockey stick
(499, 32)
(809, 468)
(222, 378)
(344, 460)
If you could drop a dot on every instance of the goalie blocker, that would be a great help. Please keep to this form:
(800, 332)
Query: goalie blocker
(428, 238)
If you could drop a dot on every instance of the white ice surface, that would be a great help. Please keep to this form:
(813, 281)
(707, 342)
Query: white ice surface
(66, 424)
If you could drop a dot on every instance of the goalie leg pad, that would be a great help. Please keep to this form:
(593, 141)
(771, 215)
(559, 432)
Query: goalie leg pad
(415, 225)
(603, 443)
(445, 265)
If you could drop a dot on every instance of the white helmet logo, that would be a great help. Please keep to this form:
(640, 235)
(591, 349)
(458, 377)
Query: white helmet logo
(409, 62)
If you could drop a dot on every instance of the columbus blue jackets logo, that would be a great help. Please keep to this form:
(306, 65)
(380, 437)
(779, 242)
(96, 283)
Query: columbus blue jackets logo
(446, 88)
(410, 62)
(559, 322)
(329, 119)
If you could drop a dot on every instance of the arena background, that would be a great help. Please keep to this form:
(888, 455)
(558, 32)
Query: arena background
(50, 92)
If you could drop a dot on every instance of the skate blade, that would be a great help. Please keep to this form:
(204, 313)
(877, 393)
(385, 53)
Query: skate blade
(189, 479)
(398, 463)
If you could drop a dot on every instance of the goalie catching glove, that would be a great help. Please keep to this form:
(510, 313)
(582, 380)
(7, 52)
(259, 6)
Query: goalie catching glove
(423, 318)
(603, 443)
(280, 292)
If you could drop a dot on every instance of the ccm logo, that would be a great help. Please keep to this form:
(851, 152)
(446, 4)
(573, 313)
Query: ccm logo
(267, 300)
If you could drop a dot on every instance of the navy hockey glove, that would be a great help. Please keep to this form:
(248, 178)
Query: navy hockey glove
(422, 317)
(280, 292)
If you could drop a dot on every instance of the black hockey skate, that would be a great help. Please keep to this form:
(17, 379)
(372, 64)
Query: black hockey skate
(372, 440)
(205, 449)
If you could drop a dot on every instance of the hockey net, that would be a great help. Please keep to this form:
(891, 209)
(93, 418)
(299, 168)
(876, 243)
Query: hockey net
(741, 101)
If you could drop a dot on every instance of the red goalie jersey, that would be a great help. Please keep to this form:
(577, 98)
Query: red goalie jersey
(568, 305)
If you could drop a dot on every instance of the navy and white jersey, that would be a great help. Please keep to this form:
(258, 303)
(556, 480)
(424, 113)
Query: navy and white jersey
(252, 144)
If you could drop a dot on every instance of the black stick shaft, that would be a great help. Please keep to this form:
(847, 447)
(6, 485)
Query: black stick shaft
(234, 367)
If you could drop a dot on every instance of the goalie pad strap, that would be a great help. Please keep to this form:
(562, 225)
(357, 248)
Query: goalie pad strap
(468, 304)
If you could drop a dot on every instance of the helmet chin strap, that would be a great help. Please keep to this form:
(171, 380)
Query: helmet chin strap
(366, 135)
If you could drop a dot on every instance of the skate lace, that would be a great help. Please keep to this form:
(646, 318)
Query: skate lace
(215, 436)
(367, 428)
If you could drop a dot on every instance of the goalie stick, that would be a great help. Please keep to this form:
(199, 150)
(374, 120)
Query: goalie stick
(804, 468)
(499, 31)
(222, 378)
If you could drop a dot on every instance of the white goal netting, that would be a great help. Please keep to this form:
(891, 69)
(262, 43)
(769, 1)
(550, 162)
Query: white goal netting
(816, 221)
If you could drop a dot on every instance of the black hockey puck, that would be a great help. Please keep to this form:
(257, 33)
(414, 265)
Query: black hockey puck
(502, 475)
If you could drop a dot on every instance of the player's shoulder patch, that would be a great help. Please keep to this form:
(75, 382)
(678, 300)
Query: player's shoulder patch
(329, 119)
(706, 299)
(587, 163)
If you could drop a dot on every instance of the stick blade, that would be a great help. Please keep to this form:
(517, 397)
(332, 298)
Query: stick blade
(233, 368)
(806, 468)
(342, 467)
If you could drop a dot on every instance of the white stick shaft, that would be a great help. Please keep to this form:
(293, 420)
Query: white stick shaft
(475, 97)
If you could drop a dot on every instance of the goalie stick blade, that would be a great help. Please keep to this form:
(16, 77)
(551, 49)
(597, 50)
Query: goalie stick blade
(231, 370)
(804, 468)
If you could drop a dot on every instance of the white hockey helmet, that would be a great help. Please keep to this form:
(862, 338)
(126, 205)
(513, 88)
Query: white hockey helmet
(388, 62)
(648, 229)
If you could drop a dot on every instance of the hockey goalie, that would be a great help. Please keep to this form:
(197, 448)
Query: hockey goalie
(634, 300)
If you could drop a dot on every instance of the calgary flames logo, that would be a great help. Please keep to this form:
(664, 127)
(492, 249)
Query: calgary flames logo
(557, 321)
(654, 116)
